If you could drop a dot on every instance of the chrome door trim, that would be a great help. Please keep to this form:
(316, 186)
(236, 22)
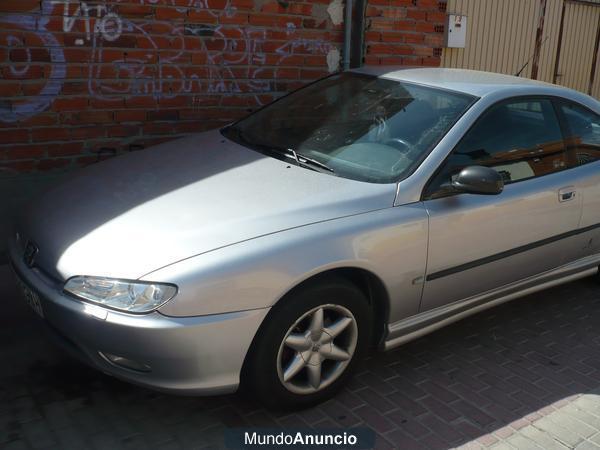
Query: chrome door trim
(423, 323)
(509, 253)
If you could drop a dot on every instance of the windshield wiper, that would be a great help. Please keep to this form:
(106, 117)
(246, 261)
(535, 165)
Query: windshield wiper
(305, 161)
(300, 159)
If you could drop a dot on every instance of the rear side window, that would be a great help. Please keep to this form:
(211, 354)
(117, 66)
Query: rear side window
(583, 134)
(520, 139)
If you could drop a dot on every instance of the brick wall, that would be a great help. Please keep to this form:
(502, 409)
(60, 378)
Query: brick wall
(405, 32)
(82, 81)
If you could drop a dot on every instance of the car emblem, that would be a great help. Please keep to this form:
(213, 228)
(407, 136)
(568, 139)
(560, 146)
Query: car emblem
(31, 250)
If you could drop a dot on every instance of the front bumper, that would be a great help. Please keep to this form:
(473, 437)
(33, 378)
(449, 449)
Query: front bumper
(188, 355)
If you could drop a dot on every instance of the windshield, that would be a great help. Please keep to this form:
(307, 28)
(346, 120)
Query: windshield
(359, 126)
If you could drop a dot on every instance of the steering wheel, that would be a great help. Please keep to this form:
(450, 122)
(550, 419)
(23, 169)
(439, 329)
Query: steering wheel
(398, 143)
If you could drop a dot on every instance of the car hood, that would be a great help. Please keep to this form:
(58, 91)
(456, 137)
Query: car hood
(133, 214)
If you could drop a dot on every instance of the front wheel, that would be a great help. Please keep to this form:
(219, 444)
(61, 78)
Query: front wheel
(309, 345)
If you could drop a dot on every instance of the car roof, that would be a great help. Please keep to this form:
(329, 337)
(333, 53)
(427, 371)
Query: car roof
(471, 82)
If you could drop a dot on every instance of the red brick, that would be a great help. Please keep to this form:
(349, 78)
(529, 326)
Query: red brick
(423, 51)
(316, 60)
(130, 116)
(32, 88)
(50, 134)
(77, 55)
(10, 88)
(28, 72)
(371, 11)
(40, 120)
(391, 60)
(416, 14)
(414, 38)
(11, 136)
(372, 36)
(70, 104)
(74, 87)
(166, 13)
(287, 73)
(141, 102)
(87, 132)
(432, 61)
(202, 16)
(107, 103)
(123, 131)
(29, 55)
(234, 19)
(425, 27)
(304, 9)
(394, 36)
(272, 7)
(436, 17)
(391, 49)
(95, 117)
(240, 4)
(64, 149)
(134, 10)
(20, 6)
(25, 152)
(372, 60)
(273, 21)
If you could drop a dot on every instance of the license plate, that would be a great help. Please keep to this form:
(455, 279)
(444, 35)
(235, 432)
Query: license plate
(32, 298)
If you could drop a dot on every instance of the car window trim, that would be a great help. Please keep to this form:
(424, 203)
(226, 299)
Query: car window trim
(426, 195)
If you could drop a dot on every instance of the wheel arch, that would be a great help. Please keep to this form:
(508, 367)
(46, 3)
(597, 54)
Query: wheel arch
(366, 281)
(372, 288)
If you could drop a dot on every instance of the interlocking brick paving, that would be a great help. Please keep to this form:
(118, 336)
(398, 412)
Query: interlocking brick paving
(521, 375)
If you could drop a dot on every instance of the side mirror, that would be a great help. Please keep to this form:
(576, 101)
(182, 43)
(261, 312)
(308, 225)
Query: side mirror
(478, 180)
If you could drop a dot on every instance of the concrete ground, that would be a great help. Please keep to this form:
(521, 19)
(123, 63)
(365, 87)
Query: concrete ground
(523, 375)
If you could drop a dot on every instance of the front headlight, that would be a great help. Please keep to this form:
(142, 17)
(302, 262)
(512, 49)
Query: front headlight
(129, 296)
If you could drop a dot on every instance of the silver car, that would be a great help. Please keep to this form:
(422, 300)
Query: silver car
(358, 213)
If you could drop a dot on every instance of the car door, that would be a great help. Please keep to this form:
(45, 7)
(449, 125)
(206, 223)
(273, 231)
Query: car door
(582, 130)
(477, 242)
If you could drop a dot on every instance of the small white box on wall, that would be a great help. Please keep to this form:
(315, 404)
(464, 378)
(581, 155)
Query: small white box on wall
(456, 31)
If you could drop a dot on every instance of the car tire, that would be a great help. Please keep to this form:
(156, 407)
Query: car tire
(319, 321)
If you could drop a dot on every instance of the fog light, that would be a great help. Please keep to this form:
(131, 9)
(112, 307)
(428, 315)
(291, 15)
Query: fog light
(126, 363)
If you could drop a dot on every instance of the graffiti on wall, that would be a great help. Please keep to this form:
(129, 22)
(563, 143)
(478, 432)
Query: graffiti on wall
(149, 70)
(107, 24)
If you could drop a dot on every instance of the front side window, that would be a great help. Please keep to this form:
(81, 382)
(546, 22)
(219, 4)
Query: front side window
(520, 139)
(583, 134)
(359, 126)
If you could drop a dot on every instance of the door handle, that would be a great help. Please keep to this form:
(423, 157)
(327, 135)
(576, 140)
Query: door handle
(566, 194)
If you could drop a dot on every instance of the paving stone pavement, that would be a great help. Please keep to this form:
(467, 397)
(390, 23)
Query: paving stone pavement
(522, 375)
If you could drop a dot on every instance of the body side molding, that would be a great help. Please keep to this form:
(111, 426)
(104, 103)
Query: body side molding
(508, 253)
(423, 323)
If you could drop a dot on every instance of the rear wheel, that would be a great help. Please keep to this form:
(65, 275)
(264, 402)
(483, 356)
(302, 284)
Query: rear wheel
(309, 345)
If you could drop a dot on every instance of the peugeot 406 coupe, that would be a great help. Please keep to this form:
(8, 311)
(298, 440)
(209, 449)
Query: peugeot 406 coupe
(355, 214)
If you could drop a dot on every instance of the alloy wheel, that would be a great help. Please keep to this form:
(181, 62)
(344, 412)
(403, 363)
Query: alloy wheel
(317, 348)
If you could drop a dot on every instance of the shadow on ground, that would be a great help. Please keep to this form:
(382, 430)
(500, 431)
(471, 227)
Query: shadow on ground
(491, 373)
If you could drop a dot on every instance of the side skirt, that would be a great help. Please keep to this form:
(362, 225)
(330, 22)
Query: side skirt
(420, 324)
